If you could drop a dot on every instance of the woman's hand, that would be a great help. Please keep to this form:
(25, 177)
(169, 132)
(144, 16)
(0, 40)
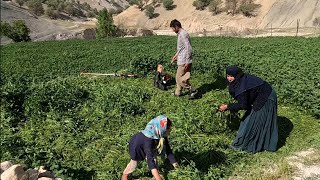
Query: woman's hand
(223, 107)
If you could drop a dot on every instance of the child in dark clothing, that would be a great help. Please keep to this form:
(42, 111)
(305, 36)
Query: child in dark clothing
(162, 80)
(149, 143)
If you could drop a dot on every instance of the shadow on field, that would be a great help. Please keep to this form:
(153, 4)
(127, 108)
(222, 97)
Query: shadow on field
(203, 160)
(285, 127)
(234, 120)
(220, 83)
(80, 174)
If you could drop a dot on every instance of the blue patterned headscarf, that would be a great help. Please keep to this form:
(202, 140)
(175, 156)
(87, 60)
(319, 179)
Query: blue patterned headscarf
(156, 129)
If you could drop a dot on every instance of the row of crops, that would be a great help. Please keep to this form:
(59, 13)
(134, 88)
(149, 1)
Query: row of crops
(80, 126)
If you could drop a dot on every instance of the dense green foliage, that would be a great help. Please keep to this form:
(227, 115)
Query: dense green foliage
(105, 26)
(18, 31)
(80, 126)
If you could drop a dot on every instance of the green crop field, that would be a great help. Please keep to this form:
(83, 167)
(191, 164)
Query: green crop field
(79, 126)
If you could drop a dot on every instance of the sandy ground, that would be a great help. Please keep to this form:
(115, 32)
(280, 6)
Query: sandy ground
(306, 164)
(285, 13)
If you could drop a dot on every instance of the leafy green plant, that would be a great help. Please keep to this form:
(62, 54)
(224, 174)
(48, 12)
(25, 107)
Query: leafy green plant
(105, 27)
(18, 31)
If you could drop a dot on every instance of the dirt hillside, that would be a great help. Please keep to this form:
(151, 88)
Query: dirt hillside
(42, 28)
(279, 13)
(100, 4)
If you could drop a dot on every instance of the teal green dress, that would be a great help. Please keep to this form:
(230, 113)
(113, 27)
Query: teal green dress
(259, 130)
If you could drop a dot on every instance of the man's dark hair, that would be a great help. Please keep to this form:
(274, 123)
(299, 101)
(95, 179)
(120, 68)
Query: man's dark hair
(175, 23)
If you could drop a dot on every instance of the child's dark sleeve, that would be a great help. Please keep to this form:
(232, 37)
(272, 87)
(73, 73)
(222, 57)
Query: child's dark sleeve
(158, 82)
(147, 146)
(169, 153)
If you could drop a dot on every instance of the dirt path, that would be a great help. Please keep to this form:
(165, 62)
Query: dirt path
(306, 164)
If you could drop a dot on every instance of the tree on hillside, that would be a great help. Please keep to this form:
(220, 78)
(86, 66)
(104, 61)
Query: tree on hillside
(105, 26)
(201, 4)
(215, 6)
(139, 3)
(248, 7)
(36, 7)
(52, 13)
(86, 6)
(17, 32)
(149, 11)
(70, 9)
(20, 2)
(231, 6)
(56, 4)
(95, 11)
(168, 4)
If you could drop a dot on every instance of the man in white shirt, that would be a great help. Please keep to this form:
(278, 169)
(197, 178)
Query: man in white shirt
(183, 57)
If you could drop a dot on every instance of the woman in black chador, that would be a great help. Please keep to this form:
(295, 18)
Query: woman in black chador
(259, 130)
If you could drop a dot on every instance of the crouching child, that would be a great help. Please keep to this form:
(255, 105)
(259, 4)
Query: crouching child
(149, 143)
(162, 80)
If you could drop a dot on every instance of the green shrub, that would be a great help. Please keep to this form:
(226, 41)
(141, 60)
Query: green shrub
(215, 6)
(149, 11)
(52, 13)
(70, 9)
(18, 32)
(168, 4)
(248, 9)
(201, 4)
(105, 27)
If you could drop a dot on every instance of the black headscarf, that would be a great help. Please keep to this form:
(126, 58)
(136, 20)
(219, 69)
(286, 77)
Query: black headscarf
(243, 82)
